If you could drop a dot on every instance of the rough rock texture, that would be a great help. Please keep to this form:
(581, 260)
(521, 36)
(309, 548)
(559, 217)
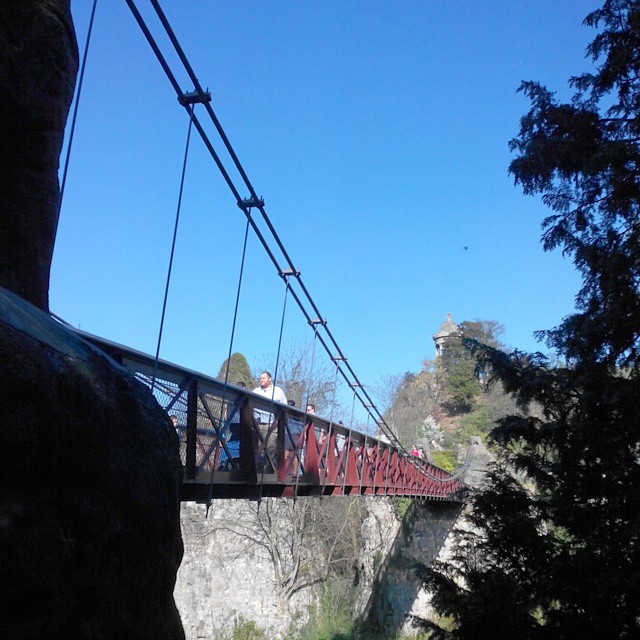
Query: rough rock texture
(225, 579)
(380, 533)
(89, 513)
(390, 592)
(38, 66)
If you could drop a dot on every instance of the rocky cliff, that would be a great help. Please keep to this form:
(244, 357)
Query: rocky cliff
(229, 573)
(89, 512)
(89, 529)
(38, 66)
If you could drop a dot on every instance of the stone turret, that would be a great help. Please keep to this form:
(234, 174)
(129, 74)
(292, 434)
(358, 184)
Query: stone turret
(448, 329)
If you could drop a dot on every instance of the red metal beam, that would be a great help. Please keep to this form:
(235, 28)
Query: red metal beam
(327, 459)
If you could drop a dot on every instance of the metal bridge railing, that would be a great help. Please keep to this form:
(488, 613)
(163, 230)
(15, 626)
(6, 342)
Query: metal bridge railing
(237, 444)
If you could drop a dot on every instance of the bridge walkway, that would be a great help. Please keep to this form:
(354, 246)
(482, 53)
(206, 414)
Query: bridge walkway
(237, 444)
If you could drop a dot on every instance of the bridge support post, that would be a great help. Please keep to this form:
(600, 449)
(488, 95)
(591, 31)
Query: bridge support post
(247, 467)
(192, 426)
(281, 460)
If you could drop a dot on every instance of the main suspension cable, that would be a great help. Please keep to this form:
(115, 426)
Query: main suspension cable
(254, 201)
(243, 204)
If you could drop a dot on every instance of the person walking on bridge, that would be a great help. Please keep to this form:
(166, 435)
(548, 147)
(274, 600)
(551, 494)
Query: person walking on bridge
(269, 390)
(264, 418)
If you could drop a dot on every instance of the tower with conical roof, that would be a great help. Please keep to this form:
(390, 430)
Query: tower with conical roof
(448, 329)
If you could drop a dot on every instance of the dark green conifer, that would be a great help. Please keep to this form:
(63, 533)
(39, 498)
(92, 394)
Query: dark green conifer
(239, 371)
(555, 544)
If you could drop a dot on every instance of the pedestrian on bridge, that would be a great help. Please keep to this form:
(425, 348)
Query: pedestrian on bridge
(264, 419)
(292, 441)
(269, 391)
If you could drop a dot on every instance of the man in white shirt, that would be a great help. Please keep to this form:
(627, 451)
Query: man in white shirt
(271, 392)
(267, 388)
(265, 418)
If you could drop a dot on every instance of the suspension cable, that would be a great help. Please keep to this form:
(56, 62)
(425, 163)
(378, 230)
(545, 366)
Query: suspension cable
(235, 311)
(243, 204)
(173, 248)
(313, 357)
(302, 439)
(260, 205)
(285, 276)
(328, 436)
(284, 311)
(75, 112)
(353, 405)
(254, 200)
(233, 331)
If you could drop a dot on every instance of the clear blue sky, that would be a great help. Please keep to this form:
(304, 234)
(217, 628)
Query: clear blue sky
(377, 134)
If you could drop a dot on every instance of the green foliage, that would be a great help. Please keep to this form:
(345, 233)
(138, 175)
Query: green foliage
(554, 545)
(402, 506)
(457, 368)
(239, 371)
(331, 620)
(407, 512)
(476, 423)
(445, 459)
(458, 376)
(247, 630)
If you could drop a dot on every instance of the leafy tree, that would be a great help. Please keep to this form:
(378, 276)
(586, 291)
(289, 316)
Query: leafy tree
(305, 375)
(457, 369)
(552, 549)
(444, 393)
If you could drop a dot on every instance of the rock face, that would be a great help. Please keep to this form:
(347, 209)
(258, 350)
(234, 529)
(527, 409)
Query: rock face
(390, 591)
(89, 512)
(38, 66)
(226, 578)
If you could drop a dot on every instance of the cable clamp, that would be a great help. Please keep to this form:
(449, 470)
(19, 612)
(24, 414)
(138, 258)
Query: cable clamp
(356, 385)
(194, 97)
(247, 203)
(339, 358)
(314, 321)
(286, 273)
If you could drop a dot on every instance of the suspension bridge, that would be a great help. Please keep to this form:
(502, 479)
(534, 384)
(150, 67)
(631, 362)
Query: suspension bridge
(228, 449)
